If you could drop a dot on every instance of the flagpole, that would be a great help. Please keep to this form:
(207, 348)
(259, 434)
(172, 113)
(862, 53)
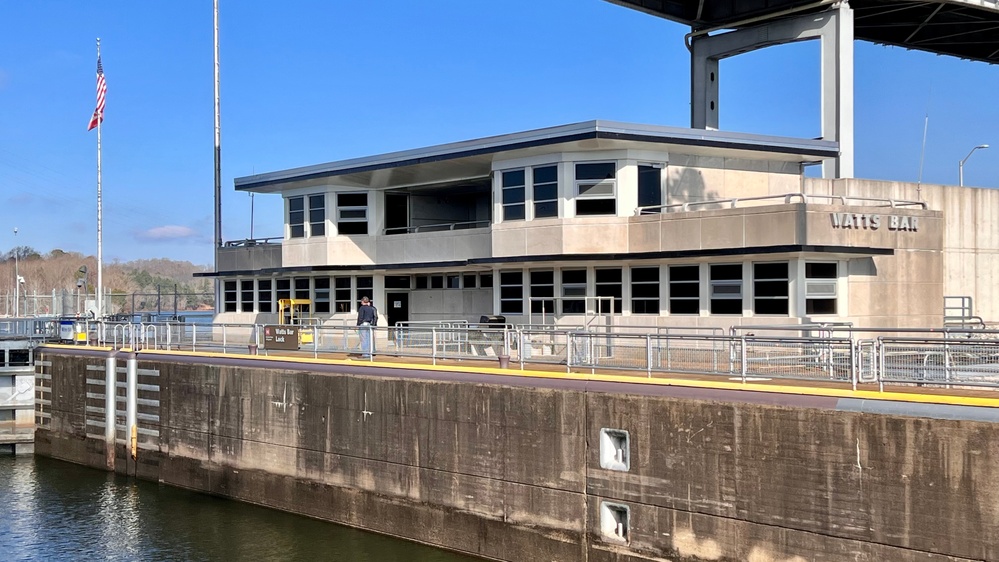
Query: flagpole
(218, 142)
(100, 242)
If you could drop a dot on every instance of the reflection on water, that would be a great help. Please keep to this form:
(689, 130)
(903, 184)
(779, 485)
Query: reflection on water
(51, 510)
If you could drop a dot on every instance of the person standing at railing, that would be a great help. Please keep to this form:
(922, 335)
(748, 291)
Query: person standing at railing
(366, 318)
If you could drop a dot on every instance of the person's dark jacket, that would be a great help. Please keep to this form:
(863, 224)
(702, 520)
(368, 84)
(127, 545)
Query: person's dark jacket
(366, 313)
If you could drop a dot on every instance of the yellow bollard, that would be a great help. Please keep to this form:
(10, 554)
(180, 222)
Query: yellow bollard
(135, 442)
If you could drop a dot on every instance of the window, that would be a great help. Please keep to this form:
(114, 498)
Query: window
(436, 281)
(422, 281)
(596, 188)
(468, 280)
(453, 281)
(645, 290)
(352, 213)
(820, 288)
(684, 289)
(513, 195)
(246, 295)
(770, 288)
(365, 288)
(486, 280)
(608, 285)
(229, 296)
(650, 186)
(322, 300)
(265, 300)
(397, 281)
(296, 216)
(543, 291)
(546, 191)
(512, 292)
(341, 294)
(283, 289)
(302, 288)
(726, 289)
(317, 215)
(573, 291)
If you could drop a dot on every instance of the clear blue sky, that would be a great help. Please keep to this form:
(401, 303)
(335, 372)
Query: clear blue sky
(311, 81)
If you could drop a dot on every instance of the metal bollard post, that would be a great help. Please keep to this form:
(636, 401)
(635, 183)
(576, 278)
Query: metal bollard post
(131, 398)
(742, 353)
(648, 354)
(110, 406)
(433, 342)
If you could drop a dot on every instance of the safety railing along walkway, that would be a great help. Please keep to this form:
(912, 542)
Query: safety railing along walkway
(840, 354)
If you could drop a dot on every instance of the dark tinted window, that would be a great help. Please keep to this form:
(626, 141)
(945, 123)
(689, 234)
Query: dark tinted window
(596, 171)
(352, 199)
(596, 207)
(649, 186)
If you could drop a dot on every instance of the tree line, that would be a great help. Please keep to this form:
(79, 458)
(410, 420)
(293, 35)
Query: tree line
(62, 271)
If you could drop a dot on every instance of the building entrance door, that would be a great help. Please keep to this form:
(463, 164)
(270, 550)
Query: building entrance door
(398, 308)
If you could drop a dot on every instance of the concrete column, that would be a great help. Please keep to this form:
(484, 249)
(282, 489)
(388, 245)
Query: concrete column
(834, 29)
(110, 406)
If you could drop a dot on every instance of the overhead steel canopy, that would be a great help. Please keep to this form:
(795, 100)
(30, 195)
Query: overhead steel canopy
(963, 28)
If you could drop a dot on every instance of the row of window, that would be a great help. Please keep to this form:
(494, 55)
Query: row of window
(454, 281)
(239, 295)
(326, 293)
(770, 283)
(351, 214)
(594, 189)
(771, 290)
(594, 193)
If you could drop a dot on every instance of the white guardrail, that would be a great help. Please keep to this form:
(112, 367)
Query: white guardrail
(939, 357)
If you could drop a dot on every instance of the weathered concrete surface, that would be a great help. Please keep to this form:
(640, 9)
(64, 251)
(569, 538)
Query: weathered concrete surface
(729, 481)
(513, 473)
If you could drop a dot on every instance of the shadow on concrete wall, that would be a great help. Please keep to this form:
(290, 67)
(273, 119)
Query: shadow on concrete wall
(686, 185)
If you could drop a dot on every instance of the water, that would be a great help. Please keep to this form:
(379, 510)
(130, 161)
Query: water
(52, 510)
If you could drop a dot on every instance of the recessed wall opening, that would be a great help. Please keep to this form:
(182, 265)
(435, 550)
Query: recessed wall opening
(429, 208)
(615, 449)
(614, 521)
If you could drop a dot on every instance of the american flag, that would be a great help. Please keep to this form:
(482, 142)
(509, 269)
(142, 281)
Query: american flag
(102, 88)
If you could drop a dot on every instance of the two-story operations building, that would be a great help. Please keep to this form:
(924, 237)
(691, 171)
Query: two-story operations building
(640, 225)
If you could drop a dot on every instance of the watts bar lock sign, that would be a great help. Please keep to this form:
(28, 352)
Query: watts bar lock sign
(858, 221)
(281, 337)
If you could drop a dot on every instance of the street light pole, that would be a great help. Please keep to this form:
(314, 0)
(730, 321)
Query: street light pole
(960, 167)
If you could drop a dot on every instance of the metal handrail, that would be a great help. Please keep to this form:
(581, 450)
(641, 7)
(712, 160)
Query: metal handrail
(248, 242)
(924, 357)
(438, 227)
(786, 198)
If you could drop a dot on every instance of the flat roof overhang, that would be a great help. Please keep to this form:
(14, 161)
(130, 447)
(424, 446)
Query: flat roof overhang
(968, 29)
(832, 251)
(473, 158)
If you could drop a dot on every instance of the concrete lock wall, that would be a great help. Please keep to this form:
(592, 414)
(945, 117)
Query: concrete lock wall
(513, 471)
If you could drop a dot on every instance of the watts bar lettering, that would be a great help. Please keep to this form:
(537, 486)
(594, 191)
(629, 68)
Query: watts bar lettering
(858, 221)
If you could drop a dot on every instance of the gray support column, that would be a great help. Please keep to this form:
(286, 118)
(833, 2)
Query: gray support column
(110, 406)
(837, 90)
(703, 87)
(833, 28)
